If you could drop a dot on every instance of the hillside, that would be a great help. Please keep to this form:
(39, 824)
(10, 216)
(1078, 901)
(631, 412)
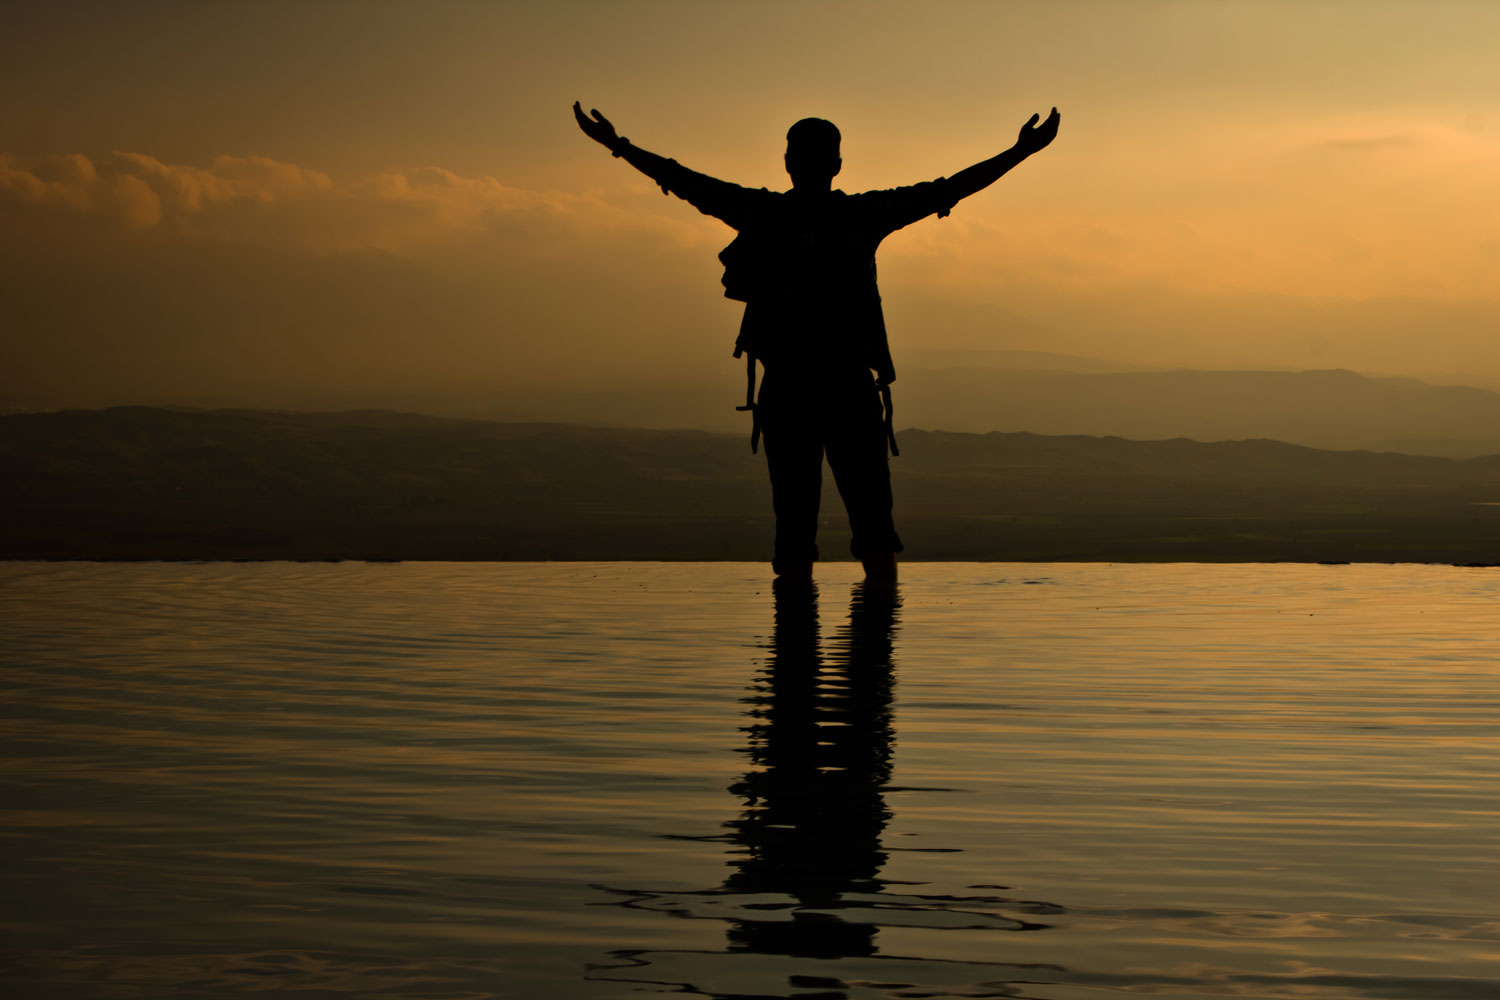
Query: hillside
(1335, 409)
(144, 483)
(980, 391)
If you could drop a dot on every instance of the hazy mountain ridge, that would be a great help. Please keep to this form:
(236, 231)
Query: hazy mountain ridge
(977, 391)
(1333, 409)
(154, 483)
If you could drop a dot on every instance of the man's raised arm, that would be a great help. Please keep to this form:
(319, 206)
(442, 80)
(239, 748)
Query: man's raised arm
(901, 207)
(709, 195)
(1033, 139)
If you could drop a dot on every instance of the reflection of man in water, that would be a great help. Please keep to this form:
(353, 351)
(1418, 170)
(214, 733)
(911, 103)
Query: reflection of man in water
(806, 845)
(805, 265)
(820, 743)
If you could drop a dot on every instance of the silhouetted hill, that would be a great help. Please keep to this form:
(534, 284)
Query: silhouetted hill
(153, 483)
(1324, 409)
(978, 391)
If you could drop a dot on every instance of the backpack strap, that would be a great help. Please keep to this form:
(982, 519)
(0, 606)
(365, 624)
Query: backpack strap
(890, 414)
(750, 398)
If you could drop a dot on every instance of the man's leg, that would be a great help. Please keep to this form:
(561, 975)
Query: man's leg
(856, 454)
(794, 456)
(880, 567)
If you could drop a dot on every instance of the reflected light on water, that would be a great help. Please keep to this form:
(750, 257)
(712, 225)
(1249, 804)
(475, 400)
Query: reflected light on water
(598, 780)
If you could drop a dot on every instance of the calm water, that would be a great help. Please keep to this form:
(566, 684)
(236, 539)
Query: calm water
(609, 780)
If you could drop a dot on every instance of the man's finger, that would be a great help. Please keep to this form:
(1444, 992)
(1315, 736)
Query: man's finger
(1030, 122)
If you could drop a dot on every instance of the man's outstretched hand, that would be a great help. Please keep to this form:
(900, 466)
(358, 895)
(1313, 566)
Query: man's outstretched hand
(1033, 137)
(601, 131)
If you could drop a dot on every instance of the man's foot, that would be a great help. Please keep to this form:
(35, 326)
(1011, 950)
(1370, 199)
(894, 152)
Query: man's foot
(880, 567)
(793, 570)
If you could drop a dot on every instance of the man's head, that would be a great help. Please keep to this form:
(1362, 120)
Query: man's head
(812, 153)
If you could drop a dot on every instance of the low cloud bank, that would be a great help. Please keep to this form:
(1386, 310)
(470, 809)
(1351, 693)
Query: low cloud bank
(253, 198)
(251, 281)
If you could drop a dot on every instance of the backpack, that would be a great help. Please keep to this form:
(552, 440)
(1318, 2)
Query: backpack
(743, 273)
(744, 261)
(744, 268)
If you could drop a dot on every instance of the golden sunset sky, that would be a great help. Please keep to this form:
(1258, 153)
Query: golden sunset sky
(329, 204)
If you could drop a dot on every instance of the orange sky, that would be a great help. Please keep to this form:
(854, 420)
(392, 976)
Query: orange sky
(339, 203)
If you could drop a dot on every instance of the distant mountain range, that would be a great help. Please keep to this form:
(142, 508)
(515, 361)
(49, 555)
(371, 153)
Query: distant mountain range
(979, 391)
(145, 483)
(1041, 392)
(1323, 409)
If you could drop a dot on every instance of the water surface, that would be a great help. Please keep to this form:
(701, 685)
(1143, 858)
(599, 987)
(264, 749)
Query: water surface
(603, 780)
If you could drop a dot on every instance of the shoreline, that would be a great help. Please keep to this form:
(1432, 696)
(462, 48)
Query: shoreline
(330, 560)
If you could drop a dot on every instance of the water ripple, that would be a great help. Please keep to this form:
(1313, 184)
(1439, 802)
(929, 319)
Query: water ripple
(598, 780)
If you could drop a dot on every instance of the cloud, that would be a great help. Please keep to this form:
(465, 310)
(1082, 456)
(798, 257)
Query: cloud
(257, 199)
(125, 271)
(1353, 207)
(188, 189)
(252, 281)
(59, 182)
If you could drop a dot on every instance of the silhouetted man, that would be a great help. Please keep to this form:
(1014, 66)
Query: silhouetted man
(804, 264)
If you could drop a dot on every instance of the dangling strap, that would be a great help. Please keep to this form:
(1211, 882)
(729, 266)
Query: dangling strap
(750, 399)
(890, 415)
